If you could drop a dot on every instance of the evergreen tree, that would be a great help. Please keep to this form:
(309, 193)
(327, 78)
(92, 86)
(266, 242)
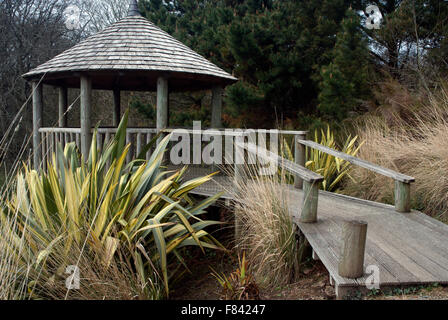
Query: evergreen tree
(345, 80)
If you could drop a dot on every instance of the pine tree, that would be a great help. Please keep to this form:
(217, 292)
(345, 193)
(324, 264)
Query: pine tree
(345, 80)
(275, 49)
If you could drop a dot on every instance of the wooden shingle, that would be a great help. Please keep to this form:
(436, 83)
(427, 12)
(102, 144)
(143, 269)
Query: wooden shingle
(133, 44)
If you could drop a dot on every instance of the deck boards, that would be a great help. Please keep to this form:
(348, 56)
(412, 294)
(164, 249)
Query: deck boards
(409, 248)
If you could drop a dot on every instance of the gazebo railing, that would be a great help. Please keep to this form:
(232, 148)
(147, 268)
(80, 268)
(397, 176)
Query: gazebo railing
(138, 138)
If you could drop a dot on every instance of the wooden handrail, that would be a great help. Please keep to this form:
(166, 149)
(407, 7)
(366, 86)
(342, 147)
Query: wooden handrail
(359, 162)
(291, 167)
(169, 130)
(403, 182)
(59, 130)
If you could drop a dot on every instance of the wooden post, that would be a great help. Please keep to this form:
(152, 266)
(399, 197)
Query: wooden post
(402, 196)
(238, 165)
(148, 140)
(299, 157)
(138, 144)
(86, 110)
(63, 105)
(351, 263)
(162, 104)
(309, 203)
(217, 107)
(117, 107)
(130, 155)
(37, 123)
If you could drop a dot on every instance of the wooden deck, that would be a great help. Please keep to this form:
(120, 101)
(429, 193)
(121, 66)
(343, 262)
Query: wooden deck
(408, 248)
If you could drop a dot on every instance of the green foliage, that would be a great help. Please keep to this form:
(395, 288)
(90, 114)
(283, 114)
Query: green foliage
(273, 47)
(345, 83)
(240, 285)
(102, 205)
(333, 169)
(293, 56)
(146, 109)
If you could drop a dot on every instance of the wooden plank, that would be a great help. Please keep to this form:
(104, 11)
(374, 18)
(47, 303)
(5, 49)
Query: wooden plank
(409, 239)
(437, 227)
(423, 248)
(359, 162)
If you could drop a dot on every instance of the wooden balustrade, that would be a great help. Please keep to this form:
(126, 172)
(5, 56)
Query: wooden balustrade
(138, 138)
(402, 182)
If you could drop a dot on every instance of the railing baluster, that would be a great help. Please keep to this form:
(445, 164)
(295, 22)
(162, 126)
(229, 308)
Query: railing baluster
(148, 140)
(77, 140)
(99, 146)
(130, 154)
(139, 143)
(42, 139)
(107, 138)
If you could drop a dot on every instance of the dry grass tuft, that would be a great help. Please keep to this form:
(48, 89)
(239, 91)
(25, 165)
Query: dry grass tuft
(415, 144)
(267, 232)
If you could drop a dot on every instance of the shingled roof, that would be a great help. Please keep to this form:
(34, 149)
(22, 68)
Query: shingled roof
(130, 55)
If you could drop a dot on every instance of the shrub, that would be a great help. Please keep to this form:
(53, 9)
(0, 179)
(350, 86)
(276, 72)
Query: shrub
(333, 169)
(99, 211)
(240, 285)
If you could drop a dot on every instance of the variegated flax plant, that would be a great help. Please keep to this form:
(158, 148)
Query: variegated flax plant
(124, 226)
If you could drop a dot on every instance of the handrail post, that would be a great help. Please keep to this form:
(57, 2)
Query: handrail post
(309, 203)
(299, 157)
(351, 263)
(402, 196)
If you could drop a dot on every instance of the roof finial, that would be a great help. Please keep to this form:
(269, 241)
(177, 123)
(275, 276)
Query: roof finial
(133, 9)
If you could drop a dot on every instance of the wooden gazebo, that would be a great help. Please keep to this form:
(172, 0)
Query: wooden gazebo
(132, 54)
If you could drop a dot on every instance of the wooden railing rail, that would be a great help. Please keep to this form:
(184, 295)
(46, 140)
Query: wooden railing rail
(402, 182)
(311, 179)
